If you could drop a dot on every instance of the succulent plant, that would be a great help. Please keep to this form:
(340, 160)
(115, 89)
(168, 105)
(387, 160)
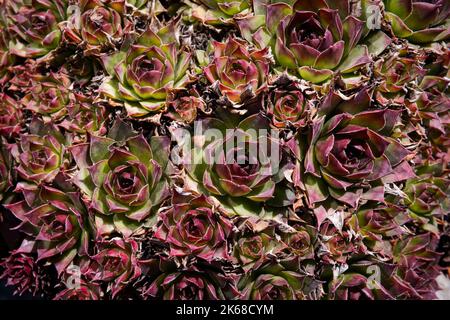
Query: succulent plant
(217, 12)
(6, 58)
(351, 149)
(395, 73)
(224, 149)
(6, 180)
(144, 74)
(312, 41)
(23, 273)
(49, 96)
(34, 26)
(115, 263)
(192, 227)
(250, 169)
(288, 106)
(40, 153)
(84, 117)
(186, 108)
(419, 21)
(239, 73)
(11, 116)
(192, 283)
(276, 281)
(101, 24)
(57, 220)
(123, 180)
(85, 291)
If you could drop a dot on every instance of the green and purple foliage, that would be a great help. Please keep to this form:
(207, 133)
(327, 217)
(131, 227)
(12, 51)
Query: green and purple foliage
(217, 149)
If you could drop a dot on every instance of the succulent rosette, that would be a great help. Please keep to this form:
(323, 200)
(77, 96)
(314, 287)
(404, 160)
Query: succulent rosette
(6, 180)
(378, 224)
(431, 107)
(203, 282)
(427, 199)
(22, 272)
(115, 263)
(311, 40)
(415, 267)
(85, 291)
(6, 58)
(277, 281)
(288, 106)
(192, 226)
(395, 73)
(123, 180)
(254, 242)
(218, 12)
(58, 221)
(142, 76)
(49, 96)
(351, 149)
(34, 26)
(253, 169)
(240, 73)
(186, 108)
(362, 281)
(338, 244)
(11, 116)
(419, 21)
(40, 154)
(225, 149)
(101, 24)
(84, 116)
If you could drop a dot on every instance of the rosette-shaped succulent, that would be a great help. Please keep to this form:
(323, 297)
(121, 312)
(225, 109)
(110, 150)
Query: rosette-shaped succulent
(419, 21)
(34, 26)
(378, 224)
(277, 281)
(251, 172)
(254, 242)
(362, 281)
(122, 179)
(288, 106)
(22, 272)
(115, 263)
(101, 24)
(432, 110)
(11, 116)
(6, 58)
(415, 268)
(396, 72)
(83, 116)
(85, 291)
(217, 12)
(186, 108)
(299, 243)
(311, 40)
(203, 282)
(49, 96)
(427, 199)
(239, 73)
(58, 221)
(351, 149)
(144, 74)
(40, 153)
(338, 243)
(193, 226)
(6, 180)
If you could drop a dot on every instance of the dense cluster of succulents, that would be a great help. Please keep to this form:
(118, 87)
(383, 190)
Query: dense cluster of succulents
(224, 149)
